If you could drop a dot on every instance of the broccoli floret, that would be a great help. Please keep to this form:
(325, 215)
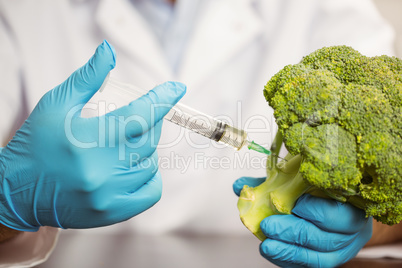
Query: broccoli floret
(339, 114)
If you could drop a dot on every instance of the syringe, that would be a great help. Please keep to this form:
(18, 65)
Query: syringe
(191, 119)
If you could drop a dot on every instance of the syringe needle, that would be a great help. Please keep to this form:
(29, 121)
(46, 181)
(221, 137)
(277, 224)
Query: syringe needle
(256, 147)
(277, 156)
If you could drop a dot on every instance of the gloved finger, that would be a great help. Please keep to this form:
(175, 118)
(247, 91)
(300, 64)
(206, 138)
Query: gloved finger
(87, 80)
(144, 197)
(139, 173)
(330, 215)
(121, 207)
(294, 230)
(131, 204)
(140, 147)
(288, 255)
(252, 182)
(142, 114)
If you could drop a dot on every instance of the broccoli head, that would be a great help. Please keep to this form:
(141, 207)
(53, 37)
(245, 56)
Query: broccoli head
(339, 114)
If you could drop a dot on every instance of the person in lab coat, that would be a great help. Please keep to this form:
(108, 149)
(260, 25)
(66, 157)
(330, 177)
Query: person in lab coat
(224, 51)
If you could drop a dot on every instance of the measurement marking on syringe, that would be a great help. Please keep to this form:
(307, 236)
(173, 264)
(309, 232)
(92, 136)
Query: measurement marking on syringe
(197, 126)
(178, 119)
(200, 128)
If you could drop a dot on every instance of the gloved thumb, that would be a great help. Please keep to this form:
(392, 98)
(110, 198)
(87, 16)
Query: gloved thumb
(86, 81)
(252, 182)
(144, 112)
(315, 210)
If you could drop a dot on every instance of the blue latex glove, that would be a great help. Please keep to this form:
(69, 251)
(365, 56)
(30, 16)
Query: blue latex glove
(319, 233)
(63, 170)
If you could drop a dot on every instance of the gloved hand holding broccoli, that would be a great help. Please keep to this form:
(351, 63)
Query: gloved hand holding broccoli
(339, 114)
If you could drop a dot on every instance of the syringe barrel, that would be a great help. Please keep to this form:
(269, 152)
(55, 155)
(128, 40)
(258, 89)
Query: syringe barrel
(207, 126)
(185, 116)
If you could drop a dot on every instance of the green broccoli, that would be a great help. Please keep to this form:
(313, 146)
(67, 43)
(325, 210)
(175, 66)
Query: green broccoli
(339, 114)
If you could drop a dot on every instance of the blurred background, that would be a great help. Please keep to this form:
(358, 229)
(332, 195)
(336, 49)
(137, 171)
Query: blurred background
(391, 10)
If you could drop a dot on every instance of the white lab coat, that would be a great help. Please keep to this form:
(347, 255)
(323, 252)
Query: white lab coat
(235, 47)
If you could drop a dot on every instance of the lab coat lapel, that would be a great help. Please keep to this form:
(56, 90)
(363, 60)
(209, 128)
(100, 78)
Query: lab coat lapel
(219, 34)
(125, 28)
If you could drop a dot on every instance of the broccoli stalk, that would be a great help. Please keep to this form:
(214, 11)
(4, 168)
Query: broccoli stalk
(283, 186)
(339, 116)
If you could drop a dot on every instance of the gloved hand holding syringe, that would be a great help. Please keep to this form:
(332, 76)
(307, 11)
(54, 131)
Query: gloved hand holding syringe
(191, 119)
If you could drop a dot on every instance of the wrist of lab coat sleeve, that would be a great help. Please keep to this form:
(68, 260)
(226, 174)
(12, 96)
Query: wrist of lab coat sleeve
(28, 248)
(7, 233)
